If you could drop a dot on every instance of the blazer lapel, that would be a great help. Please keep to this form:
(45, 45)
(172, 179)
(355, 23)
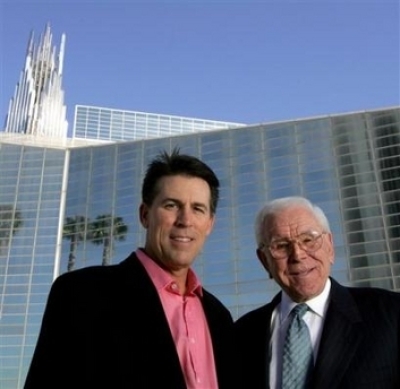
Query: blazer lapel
(137, 337)
(341, 335)
(254, 338)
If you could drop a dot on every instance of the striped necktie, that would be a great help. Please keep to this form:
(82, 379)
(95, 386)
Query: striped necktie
(297, 352)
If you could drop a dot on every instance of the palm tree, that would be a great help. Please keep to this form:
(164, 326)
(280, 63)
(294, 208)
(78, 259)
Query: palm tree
(10, 223)
(105, 230)
(75, 230)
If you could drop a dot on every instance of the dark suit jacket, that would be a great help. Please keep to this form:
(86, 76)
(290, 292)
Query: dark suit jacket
(360, 343)
(104, 327)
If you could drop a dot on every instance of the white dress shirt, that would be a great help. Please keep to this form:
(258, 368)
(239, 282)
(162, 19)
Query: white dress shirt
(314, 319)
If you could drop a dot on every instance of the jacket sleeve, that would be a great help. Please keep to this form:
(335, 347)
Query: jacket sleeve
(54, 345)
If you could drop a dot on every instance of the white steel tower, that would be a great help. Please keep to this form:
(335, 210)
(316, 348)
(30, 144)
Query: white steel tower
(37, 107)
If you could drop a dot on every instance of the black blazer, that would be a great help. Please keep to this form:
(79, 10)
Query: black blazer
(360, 343)
(104, 327)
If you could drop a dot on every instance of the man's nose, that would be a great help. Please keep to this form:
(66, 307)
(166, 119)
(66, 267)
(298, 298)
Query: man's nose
(184, 217)
(296, 250)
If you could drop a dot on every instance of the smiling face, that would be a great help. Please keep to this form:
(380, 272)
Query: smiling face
(301, 275)
(177, 222)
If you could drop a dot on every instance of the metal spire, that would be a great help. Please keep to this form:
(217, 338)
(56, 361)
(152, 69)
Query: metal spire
(37, 106)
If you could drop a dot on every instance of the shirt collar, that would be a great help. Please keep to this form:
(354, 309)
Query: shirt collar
(318, 304)
(163, 280)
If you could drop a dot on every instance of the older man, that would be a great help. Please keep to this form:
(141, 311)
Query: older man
(315, 333)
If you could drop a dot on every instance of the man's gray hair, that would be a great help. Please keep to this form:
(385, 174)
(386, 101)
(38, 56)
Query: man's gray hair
(273, 207)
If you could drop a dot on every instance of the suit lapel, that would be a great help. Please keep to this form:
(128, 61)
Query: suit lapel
(275, 301)
(341, 335)
(135, 335)
(256, 343)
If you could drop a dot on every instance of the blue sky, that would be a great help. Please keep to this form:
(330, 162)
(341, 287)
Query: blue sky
(242, 61)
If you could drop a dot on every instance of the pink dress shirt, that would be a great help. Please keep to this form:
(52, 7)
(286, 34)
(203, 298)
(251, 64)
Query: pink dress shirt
(187, 323)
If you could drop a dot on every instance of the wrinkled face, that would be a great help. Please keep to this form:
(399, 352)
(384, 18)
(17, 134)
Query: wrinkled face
(302, 275)
(178, 221)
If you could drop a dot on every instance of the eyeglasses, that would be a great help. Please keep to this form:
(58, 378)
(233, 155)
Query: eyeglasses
(308, 242)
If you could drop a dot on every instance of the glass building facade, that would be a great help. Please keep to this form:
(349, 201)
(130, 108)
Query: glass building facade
(116, 125)
(56, 195)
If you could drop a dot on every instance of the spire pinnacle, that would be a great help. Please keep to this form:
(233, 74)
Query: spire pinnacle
(37, 106)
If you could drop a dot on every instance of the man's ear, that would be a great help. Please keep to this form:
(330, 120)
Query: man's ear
(211, 224)
(143, 215)
(331, 248)
(264, 260)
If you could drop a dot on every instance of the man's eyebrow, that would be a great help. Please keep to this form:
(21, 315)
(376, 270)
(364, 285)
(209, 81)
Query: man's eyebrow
(179, 202)
(305, 232)
(202, 205)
